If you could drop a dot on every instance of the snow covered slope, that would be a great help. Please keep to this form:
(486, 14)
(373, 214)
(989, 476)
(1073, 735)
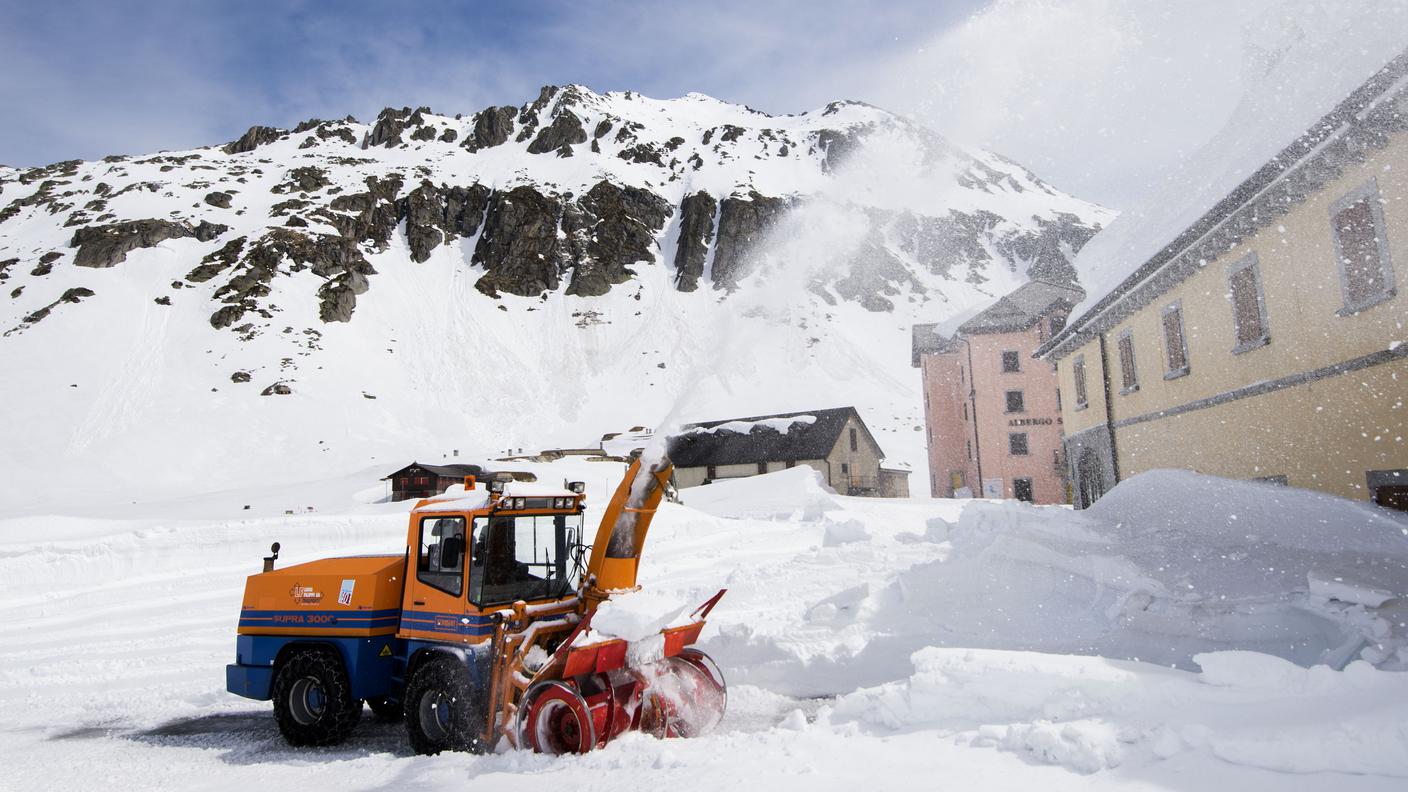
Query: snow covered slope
(987, 644)
(522, 277)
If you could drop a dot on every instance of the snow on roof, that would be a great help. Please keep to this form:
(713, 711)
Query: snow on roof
(1022, 308)
(763, 438)
(1324, 52)
(535, 489)
(455, 499)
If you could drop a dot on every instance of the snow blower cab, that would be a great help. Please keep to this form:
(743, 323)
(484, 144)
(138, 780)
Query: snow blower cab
(481, 631)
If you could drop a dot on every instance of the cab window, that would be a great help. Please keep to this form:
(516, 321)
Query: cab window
(523, 557)
(440, 559)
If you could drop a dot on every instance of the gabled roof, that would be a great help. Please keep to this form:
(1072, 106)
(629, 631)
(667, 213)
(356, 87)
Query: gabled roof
(926, 339)
(696, 446)
(1022, 308)
(448, 471)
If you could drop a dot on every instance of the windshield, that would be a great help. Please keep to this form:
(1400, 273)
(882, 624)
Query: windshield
(528, 557)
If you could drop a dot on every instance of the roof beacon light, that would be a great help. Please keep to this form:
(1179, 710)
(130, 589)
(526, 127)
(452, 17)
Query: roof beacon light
(578, 487)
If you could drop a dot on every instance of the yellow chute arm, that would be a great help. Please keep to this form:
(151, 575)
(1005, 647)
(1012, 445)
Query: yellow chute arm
(616, 551)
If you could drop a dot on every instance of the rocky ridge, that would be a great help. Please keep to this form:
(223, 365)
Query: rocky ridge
(571, 191)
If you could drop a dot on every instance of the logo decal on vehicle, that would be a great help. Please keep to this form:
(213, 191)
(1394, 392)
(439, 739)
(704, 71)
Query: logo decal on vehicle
(344, 597)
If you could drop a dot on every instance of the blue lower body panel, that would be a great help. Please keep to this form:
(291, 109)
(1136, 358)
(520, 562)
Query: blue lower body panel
(249, 681)
(370, 663)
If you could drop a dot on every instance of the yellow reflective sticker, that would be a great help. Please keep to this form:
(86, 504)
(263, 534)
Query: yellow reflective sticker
(385, 651)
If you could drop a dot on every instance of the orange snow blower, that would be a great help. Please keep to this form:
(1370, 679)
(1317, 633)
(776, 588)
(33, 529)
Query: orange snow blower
(481, 630)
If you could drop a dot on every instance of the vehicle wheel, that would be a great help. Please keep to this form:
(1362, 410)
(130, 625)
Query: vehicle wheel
(313, 701)
(442, 712)
(557, 720)
(385, 710)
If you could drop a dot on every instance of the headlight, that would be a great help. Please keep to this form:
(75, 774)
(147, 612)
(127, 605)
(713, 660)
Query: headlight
(578, 487)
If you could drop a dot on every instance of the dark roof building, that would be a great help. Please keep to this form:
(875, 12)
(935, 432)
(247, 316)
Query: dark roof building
(835, 442)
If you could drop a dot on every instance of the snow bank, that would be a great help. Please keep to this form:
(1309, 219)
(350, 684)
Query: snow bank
(1092, 714)
(799, 494)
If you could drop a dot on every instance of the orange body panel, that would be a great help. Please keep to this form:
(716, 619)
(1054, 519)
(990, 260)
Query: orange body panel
(357, 596)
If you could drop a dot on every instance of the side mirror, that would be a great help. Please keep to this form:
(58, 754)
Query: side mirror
(451, 552)
(270, 559)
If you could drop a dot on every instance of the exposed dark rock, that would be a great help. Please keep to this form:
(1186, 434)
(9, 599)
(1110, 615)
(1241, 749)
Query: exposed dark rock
(305, 179)
(283, 208)
(743, 223)
(730, 133)
(256, 136)
(219, 200)
(435, 215)
(219, 261)
(608, 229)
(5, 267)
(492, 126)
(240, 376)
(75, 294)
(226, 316)
(206, 231)
(335, 258)
(294, 221)
(602, 128)
(369, 216)
(528, 116)
(696, 234)
(565, 130)
(16, 292)
(641, 153)
(277, 389)
(423, 134)
(388, 128)
(105, 246)
(836, 145)
(875, 275)
(50, 257)
(39, 271)
(163, 300)
(519, 245)
(449, 135)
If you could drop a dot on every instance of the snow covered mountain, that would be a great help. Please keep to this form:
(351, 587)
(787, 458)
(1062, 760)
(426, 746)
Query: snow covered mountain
(515, 278)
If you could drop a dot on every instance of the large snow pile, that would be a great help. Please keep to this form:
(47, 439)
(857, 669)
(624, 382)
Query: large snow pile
(987, 643)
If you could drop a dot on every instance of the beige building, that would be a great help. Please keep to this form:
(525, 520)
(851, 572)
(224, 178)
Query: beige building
(835, 442)
(1269, 339)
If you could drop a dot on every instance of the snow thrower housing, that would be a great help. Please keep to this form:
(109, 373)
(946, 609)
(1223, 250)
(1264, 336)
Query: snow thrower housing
(480, 630)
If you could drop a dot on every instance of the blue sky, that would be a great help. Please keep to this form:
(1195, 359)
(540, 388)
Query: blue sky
(1093, 95)
(85, 79)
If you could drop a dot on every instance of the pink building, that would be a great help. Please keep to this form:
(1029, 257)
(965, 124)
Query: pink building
(993, 412)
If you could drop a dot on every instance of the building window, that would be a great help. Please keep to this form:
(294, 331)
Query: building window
(854, 445)
(845, 469)
(969, 445)
(1175, 344)
(1017, 443)
(711, 472)
(1058, 323)
(1022, 490)
(1129, 379)
(762, 467)
(1014, 402)
(1248, 305)
(965, 411)
(1058, 400)
(1078, 373)
(1361, 249)
(1011, 362)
